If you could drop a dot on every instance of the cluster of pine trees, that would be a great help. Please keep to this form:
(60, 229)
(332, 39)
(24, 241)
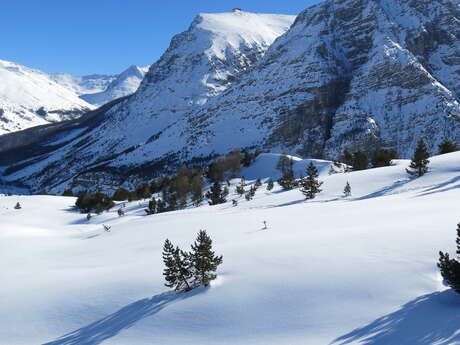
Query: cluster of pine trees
(382, 157)
(185, 271)
(187, 185)
(359, 160)
(176, 191)
(97, 202)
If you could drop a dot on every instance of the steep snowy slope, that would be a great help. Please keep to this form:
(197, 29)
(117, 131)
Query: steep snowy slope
(200, 64)
(126, 83)
(29, 98)
(360, 270)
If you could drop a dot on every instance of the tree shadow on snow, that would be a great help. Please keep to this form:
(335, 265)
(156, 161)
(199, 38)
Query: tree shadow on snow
(101, 330)
(429, 319)
(384, 191)
(442, 187)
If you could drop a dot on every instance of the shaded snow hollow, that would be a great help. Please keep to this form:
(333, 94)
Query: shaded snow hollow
(331, 270)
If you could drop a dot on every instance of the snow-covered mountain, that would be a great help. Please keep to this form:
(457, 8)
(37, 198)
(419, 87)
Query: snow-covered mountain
(87, 84)
(334, 270)
(124, 84)
(29, 97)
(350, 74)
(200, 64)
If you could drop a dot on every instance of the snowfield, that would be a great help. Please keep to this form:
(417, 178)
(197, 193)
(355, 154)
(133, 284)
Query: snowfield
(360, 270)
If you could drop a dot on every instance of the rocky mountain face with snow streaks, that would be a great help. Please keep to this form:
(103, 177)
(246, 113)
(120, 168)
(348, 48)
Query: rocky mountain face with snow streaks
(350, 74)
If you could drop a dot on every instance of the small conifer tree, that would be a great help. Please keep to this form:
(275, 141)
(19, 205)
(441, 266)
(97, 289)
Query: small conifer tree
(216, 195)
(177, 272)
(203, 260)
(270, 185)
(17, 206)
(347, 158)
(310, 186)
(240, 188)
(447, 146)
(419, 164)
(383, 157)
(450, 268)
(152, 207)
(287, 181)
(120, 212)
(161, 206)
(197, 190)
(360, 161)
(347, 190)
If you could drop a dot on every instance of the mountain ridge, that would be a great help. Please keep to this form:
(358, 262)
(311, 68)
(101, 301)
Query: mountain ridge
(349, 74)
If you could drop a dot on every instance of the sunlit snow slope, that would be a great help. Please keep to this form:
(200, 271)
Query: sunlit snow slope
(29, 97)
(332, 270)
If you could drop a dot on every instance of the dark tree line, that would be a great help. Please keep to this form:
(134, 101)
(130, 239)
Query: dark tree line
(359, 160)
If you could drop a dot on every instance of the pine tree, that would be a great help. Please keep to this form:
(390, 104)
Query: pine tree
(419, 164)
(258, 183)
(310, 184)
(284, 164)
(170, 272)
(204, 261)
(161, 206)
(197, 189)
(447, 146)
(270, 185)
(120, 212)
(347, 158)
(347, 190)
(360, 161)
(287, 181)
(383, 157)
(151, 208)
(17, 206)
(178, 268)
(450, 268)
(216, 195)
(67, 192)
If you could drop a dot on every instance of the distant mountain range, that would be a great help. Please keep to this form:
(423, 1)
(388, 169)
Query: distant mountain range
(29, 97)
(349, 74)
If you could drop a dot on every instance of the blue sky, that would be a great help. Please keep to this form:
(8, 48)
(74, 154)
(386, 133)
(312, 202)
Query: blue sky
(106, 36)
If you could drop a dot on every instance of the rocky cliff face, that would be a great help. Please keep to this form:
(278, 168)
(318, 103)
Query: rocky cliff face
(348, 74)
(356, 74)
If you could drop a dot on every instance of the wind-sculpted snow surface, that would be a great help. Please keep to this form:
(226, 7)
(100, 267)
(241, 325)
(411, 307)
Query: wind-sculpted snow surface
(334, 270)
(29, 97)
